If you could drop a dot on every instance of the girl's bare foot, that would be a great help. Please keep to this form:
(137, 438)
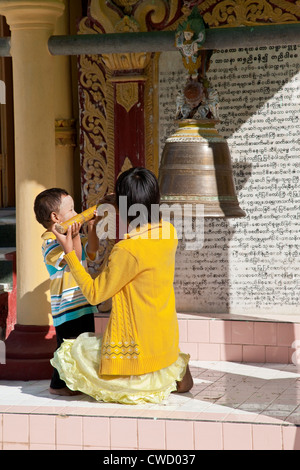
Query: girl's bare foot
(186, 383)
(66, 392)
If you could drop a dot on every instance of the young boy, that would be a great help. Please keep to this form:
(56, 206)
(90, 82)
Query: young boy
(71, 312)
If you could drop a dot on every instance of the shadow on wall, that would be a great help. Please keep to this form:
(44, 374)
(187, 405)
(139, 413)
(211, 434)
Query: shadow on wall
(28, 301)
(259, 98)
(202, 277)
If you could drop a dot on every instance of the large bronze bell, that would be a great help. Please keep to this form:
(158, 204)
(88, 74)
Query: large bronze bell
(196, 169)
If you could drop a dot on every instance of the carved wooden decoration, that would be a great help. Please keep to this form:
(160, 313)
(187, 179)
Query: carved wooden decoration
(128, 80)
(118, 93)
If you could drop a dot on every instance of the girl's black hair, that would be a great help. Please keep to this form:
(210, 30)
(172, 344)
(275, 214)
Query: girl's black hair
(140, 186)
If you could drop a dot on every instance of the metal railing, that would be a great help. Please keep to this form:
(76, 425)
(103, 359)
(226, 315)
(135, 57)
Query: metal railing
(159, 41)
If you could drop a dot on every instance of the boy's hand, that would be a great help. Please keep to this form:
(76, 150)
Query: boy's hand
(76, 226)
(66, 241)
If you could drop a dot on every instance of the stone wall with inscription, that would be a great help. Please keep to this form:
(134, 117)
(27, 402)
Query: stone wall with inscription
(248, 266)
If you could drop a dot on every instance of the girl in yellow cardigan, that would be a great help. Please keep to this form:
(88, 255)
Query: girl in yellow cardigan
(138, 358)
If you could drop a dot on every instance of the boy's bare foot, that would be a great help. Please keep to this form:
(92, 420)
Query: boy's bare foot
(66, 392)
(186, 383)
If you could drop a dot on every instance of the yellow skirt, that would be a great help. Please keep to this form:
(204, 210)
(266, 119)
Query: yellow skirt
(77, 362)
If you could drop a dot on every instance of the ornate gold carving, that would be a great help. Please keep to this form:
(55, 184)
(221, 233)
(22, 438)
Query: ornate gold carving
(95, 168)
(94, 123)
(157, 12)
(110, 133)
(216, 13)
(98, 74)
(126, 165)
(93, 130)
(152, 116)
(233, 13)
(129, 61)
(127, 4)
(97, 117)
(127, 94)
(65, 132)
(92, 77)
(127, 25)
(109, 14)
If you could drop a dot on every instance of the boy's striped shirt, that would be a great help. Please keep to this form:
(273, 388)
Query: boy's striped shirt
(67, 300)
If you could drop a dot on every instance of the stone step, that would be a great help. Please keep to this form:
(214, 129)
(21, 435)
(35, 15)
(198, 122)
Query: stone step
(7, 235)
(8, 216)
(230, 407)
(7, 246)
(233, 405)
(7, 227)
(6, 268)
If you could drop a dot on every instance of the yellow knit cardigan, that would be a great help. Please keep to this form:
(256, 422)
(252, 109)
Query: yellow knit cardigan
(142, 332)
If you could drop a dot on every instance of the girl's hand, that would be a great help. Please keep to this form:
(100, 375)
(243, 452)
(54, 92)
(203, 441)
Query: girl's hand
(94, 221)
(109, 199)
(66, 241)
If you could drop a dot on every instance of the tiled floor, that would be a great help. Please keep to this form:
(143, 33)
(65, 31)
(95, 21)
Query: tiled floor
(231, 406)
(222, 390)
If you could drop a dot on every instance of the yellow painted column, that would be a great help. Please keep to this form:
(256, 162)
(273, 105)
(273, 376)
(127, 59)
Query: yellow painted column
(32, 23)
(65, 125)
